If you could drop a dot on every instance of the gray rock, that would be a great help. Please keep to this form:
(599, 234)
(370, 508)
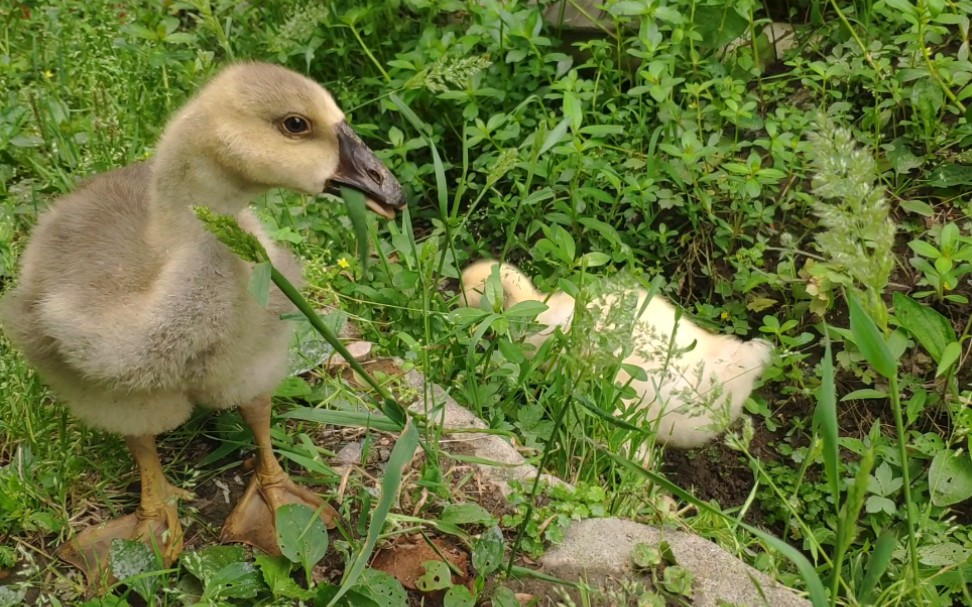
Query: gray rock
(349, 454)
(599, 551)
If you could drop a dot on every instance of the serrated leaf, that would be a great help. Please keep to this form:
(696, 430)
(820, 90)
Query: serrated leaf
(466, 514)
(932, 330)
(487, 552)
(646, 556)
(436, 577)
(950, 478)
(877, 503)
(223, 572)
(276, 575)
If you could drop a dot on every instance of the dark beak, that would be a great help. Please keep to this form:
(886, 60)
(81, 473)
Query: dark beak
(361, 170)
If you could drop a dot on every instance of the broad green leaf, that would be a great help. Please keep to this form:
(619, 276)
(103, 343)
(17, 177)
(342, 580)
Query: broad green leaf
(877, 503)
(918, 207)
(718, 24)
(301, 535)
(130, 561)
(487, 551)
(436, 577)
(466, 514)
(950, 478)
(340, 596)
(923, 248)
(949, 357)
(554, 136)
(458, 596)
(646, 556)
(932, 330)
(945, 554)
(504, 597)
(382, 588)
(594, 259)
(527, 309)
(391, 480)
(951, 175)
(260, 283)
(869, 339)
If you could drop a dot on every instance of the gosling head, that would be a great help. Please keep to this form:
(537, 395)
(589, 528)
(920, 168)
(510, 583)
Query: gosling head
(264, 126)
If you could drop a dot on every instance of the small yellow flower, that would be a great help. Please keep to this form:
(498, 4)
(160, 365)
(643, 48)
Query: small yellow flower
(343, 263)
(725, 315)
(48, 74)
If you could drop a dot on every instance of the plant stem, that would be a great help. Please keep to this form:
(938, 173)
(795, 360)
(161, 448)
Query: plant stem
(389, 406)
(895, 398)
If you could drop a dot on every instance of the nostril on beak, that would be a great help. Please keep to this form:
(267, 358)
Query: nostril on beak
(375, 176)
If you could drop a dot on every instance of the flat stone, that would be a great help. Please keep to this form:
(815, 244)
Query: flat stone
(465, 435)
(599, 551)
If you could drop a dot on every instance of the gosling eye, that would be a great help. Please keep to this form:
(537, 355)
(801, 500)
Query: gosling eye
(295, 124)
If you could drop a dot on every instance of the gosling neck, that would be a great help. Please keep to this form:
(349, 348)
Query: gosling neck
(181, 181)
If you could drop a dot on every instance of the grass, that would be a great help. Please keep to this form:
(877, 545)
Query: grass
(738, 183)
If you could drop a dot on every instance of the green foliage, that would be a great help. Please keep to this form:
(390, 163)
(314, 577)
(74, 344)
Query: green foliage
(645, 150)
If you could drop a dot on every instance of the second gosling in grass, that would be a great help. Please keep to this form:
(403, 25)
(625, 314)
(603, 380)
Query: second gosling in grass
(697, 381)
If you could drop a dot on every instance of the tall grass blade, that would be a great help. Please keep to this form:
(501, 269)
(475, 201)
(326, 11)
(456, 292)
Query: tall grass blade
(358, 214)
(877, 565)
(401, 455)
(825, 423)
(346, 419)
